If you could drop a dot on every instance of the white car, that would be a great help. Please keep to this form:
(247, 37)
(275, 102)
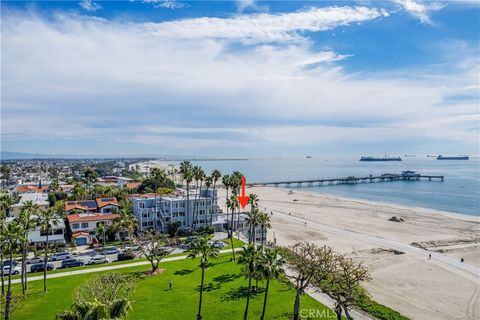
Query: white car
(8, 270)
(34, 260)
(97, 260)
(61, 256)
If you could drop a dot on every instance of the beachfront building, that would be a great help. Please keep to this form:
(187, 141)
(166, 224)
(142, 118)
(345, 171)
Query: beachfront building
(40, 199)
(156, 211)
(83, 226)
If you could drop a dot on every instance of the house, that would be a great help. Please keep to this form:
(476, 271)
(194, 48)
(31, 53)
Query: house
(40, 199)
(156, 211)
(38, 236)
(100, 205)
(31, 189)
(83, 225)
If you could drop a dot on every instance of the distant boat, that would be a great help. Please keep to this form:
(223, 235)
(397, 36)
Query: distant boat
(309, 157)
(410, 156)
(440, 157)
(385, 158)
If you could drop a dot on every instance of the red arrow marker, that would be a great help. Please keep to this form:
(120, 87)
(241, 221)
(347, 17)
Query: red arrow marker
(243, 199)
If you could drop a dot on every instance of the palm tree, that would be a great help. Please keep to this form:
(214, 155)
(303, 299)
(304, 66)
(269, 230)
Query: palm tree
(208, 184)
(265, 222)
(201, 247)
(270, 267)
(96, 310)
(226, 183)
(198, 175)
(45, 220)
(6, 202)
(27, 223)
(249, 257)
(252, 217)
(126, 223)
(233, 204)
(12, 232)
(215, 176)
(101, 230)
(186, 171)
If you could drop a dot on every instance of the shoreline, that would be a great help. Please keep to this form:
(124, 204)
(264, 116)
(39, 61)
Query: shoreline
(457, 215)
(396, 253)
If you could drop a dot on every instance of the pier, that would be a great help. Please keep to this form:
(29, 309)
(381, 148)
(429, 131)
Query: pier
(386, 177)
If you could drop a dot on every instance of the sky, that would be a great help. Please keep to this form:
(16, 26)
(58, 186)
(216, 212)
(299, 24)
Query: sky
(240, 78)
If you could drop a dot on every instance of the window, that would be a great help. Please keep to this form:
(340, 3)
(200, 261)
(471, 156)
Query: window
(84, 224)
(75, 225)
(141, 205)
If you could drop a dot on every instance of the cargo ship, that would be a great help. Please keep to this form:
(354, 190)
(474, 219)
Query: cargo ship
(385, 158)
(440, 157)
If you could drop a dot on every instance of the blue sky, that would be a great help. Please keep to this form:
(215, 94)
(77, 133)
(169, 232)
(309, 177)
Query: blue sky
(240, 78)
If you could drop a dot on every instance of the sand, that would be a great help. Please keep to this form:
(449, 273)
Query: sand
(403, 277)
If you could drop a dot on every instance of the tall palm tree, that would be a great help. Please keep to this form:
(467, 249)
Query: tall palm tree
(249, 257)
(45, 220)
(253, 201)
(186, 171)
(6, 202)
(253, 220)
(126, 224)
(226, 183)
(101, 229)
(12, 232)
(215, 176)
(232, 204)
(270, 267)
(27, 223)
(265, 222)
(208, 184)
(201, 247)
(198, 175)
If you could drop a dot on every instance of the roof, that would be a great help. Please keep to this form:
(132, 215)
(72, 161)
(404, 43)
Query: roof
(103, 202)
(133, 184)
(36, 198)
(31, 188)
(82, 205)
(84, 217)
(80, 233)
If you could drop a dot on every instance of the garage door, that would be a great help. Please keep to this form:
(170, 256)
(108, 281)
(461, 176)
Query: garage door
(81, 241)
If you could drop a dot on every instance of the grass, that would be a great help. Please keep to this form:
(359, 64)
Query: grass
(378, 310)
(224, 296)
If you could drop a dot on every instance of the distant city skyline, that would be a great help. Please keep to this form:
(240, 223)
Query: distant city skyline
(240, 78)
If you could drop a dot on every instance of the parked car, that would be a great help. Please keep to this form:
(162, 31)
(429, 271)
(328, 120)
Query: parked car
(38, 267)
(9, 262)
(61, 256)
(68, 263)
(6, 270)
(127, 255)
(110, 250)
(34, 260)
(219, 244)
(97, 260)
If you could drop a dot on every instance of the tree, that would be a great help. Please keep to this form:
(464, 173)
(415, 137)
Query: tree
(127, 224)
(307, 263)
(226, 185)
(27, 223)
(186, 171)
(201, 247)
(208, 184)
(100, 231)
(172, 228)
(90, 175)
(198, 176)
(12, 232)
(215, 176)
(102, 297)
(45, 220)
(265, 223)
(344, 283)
(152, 245)
(6, 202)
(249, 257)
(5, 171)
(270, 267)
(232, 203)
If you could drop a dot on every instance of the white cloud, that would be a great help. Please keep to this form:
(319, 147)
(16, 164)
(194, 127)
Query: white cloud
(264, 27)
(167, 4)
(89, 5)
(420, 10)
(136, 84)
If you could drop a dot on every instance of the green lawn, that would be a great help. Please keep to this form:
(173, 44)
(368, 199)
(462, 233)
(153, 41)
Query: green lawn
(223, 297)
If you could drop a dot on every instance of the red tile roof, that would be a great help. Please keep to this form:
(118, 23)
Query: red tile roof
(84, 217)
(103, 202)
(82, 205)
(80, 233)
(36, 189)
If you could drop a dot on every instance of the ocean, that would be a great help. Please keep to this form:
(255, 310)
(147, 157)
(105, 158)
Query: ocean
(459, 192)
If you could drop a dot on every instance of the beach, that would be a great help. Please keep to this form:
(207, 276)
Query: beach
(396, 253)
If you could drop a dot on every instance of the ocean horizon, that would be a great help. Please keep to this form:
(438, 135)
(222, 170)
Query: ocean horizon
(458, 193)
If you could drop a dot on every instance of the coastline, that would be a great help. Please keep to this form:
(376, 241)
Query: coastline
(361, 229)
